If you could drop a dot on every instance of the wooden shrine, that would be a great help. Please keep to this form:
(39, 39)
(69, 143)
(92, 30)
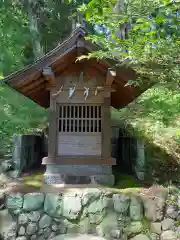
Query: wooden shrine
(79, 95)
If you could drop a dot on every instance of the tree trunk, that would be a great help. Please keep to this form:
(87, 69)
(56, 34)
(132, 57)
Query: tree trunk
(122, 31)
(33, 25)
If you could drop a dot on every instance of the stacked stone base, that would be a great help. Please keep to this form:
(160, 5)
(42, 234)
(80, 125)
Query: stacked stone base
(97, 211)
(79, 174)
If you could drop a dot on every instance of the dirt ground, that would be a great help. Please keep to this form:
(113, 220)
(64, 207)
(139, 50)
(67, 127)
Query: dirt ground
(33, 182)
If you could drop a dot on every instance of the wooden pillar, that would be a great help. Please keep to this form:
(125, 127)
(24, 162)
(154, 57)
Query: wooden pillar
(106, 128)
(52, 140)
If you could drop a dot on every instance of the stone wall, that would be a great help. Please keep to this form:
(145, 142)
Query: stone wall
(137, 216)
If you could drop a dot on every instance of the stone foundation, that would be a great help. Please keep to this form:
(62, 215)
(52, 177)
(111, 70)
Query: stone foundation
(78, 170)
(153, 215)
(79, 174)
(106, 180)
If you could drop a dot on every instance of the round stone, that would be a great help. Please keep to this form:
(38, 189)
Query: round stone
(41, 238)
(116, 233)
(31, 229)
(121, 203)
(156, 227)
(14, 201)
(133, 228)
(178, 231)
(100, 231)
(52, 235)
(168, 235)
(172, 211)
(34, 216)
(23, 219)
(140, 237)
(47, 232)
(40, 232)
(21, 231)
(11, 231)
(154, 236)
(136, 210)
(72, 206)
(178, 201)
(45, 221)
(33, 201)
(21, 238)
(84, 237)
(55, 227)
(173, 198)
(33, 237)
(62, 229)
(167, 224)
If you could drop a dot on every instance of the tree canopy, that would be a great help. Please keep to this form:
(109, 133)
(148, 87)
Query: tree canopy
(28, 29)
(143, 35)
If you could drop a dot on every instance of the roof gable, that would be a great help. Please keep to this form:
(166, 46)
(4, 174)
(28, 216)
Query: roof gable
(30, 81)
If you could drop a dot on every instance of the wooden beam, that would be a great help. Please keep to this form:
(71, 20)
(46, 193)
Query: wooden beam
(98, 65)
(29, 78)
(74, 70)
(35, 90)
(49, 75)
(67, 59)
(32, 85)
(110, 77)
(41, 99)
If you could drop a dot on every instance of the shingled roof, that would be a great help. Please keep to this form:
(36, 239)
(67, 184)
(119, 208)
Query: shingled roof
(30, 81)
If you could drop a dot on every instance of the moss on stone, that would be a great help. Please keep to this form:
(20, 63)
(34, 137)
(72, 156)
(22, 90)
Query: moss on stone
(126, 181)
(34, 180)
(146, 225)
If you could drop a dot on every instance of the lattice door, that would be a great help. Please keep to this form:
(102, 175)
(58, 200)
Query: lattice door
(80, 128)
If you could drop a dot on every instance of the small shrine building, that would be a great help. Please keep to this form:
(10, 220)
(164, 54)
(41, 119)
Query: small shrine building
(79, 95)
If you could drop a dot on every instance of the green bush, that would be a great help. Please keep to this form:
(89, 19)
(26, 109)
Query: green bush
(18, 115)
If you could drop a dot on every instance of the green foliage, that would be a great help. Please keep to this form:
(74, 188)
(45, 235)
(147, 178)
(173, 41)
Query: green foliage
(146, 226)
(156, 116)
(151, 47)
(54, 23)
(14, 34)
(126, 181)
(56, 20)
(142, 34)
(18, 115)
